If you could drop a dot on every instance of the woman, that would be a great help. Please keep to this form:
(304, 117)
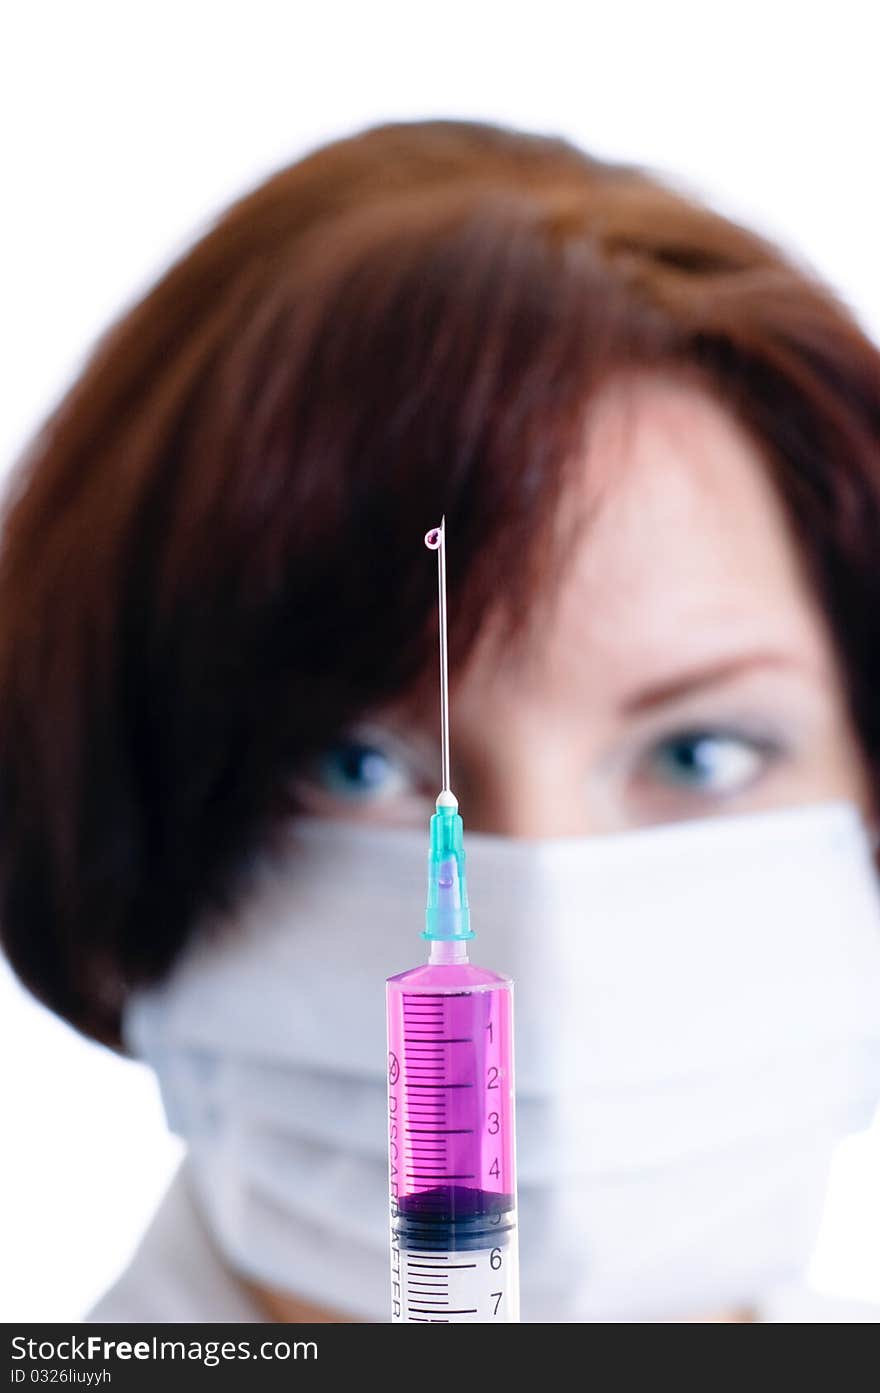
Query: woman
(656, 442)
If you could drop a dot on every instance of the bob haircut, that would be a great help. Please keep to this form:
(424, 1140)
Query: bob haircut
(212, 555)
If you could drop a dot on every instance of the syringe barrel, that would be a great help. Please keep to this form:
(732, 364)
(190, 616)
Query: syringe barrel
(451, 1139)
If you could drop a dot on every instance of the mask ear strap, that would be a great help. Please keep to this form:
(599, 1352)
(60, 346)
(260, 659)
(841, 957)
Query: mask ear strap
(872, 828)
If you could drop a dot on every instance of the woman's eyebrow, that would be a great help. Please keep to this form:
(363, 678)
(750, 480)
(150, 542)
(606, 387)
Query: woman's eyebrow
(711, 674)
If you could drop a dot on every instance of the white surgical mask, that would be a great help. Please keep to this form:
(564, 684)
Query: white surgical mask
(697, 1022)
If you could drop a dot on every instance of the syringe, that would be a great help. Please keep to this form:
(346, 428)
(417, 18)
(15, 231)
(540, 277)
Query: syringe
(451, 1125)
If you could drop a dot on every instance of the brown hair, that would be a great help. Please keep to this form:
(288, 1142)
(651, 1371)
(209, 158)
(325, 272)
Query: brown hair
(213, 555)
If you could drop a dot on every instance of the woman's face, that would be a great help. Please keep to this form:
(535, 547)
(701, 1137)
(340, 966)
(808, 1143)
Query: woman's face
(685, 670)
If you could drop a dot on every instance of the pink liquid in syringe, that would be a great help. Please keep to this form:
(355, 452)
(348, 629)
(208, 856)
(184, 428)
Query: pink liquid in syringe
(451, 1143)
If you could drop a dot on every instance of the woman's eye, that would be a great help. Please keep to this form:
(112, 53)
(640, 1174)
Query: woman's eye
(710, 762)
(358, 770)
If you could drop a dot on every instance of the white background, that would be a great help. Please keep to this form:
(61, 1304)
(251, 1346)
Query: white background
(127, 128)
